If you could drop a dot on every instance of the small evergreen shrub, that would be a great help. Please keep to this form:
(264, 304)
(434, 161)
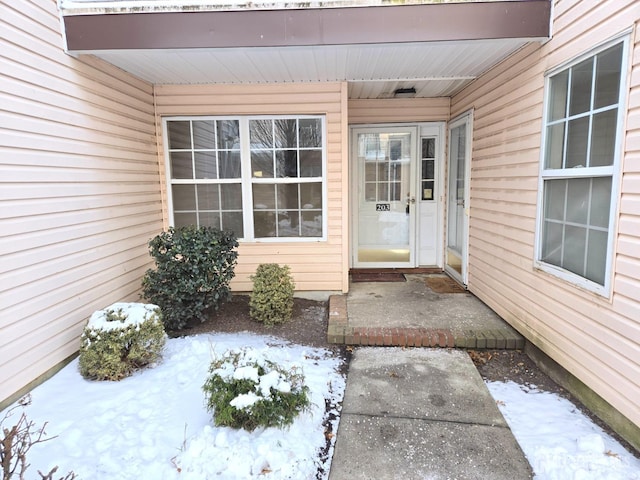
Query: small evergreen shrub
(271, 300)
(246, 390)
(121, 339)
(194, 266)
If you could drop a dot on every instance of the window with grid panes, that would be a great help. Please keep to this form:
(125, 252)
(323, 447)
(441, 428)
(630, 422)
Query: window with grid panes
(580, 164)
(259, 177)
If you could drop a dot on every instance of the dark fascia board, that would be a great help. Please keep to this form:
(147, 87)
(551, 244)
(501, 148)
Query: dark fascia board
(306, 27)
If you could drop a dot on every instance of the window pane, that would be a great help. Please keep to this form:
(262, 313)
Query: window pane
(600, 202)
(181, 165)
(581, 79)
(205, 163)
(370, 171)
(286, 133)
(311, 224)
(232, 221)
(264, 197)
(229, 164)
(311, 195)
(370, 192)
(395, 189)
(184, 197)
(209, 219)
(261, 133)
(554, 199)
(383, 172)
(288, 197)
(185, 219)
(608, 77)
(603, 136)
(383, 192)
(311, 163)
(286, 163)
(228, 135)
(231, 194)
(558, 96)
(597, 256)
(179, 135)
(578, 200)
(577, 136)
(262, 164)
(555, 146)
(427, 190)
(428, 169)
(575, 239)
(264, 224)
(310, 132)
(288, 224)
(428, 147)
(552, 244)
(208, 197)
(204, 134)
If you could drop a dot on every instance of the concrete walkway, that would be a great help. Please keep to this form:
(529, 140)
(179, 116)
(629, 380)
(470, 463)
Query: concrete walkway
(422, 414)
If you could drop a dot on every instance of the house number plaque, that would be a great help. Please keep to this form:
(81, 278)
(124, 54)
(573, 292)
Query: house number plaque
(383, 207)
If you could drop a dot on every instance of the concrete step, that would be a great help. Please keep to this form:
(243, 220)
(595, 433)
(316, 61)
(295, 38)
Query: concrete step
(341, 332)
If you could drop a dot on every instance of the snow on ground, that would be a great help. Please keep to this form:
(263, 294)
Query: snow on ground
(560, 442)
(154, 424)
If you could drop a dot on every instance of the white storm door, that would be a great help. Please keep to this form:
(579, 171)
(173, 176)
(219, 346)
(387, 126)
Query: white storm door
(458, 198)
(384, 211)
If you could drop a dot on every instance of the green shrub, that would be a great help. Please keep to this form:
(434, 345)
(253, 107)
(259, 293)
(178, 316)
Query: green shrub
(246, 390)
(193, 269)
(121, 339)
(271, 300)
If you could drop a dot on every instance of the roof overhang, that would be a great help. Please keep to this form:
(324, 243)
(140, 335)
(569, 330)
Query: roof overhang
(448, 44)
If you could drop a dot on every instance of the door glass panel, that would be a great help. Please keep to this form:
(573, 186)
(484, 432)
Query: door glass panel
(384, 171)
(428, 168)
(456, 241)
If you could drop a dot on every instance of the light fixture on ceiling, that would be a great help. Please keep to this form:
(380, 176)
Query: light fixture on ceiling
(404, 92)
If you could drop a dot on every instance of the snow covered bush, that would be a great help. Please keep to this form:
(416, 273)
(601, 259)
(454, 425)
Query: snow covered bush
(120, 339)
(271, 300)
(194, 266)
(246, 390)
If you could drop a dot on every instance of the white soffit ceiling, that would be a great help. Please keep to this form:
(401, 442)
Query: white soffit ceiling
(373, 71)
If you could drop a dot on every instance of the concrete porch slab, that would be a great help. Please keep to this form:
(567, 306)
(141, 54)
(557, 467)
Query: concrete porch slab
(411, 314)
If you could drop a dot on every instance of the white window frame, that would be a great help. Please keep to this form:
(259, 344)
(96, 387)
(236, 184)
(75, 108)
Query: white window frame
(246, 178)
(612, 171)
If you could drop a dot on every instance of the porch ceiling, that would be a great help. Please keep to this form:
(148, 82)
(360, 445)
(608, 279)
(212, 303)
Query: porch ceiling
(437, 49)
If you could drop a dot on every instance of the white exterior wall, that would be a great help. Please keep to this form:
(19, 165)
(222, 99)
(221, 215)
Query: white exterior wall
(79, 191)
(597, 339)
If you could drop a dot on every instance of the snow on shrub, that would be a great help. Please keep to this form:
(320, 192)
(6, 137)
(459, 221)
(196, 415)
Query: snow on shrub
(121, 339)
(246, 390)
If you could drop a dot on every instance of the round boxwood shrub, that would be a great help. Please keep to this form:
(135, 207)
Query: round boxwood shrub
(246, 390)
(194, 266)
(271, 300)
(121, 339)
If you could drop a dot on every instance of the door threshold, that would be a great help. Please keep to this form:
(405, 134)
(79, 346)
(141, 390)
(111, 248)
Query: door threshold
(416, 270)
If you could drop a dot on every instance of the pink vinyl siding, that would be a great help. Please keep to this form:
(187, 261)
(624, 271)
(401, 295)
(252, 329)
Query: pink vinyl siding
(596, 338)
(391, 110)
(316, 265)
(79, 191)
